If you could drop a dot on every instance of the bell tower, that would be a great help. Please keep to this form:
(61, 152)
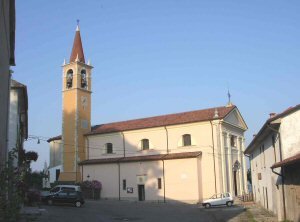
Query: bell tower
(76, 117)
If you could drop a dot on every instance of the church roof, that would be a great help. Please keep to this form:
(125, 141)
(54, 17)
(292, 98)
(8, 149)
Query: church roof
(164, 120)
(159, 121)
(77, 50)
(170, 156)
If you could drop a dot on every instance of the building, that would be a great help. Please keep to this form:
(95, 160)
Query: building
(275, 164)
(7, 59)
(182, 157)
(18, 117)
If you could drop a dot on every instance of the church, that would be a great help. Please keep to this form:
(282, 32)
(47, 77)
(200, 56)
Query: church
(185, 157)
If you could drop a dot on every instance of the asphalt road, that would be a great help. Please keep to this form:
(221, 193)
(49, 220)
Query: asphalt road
(113, 211)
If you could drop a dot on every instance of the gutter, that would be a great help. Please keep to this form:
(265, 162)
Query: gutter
(213, 145)
(282, 169)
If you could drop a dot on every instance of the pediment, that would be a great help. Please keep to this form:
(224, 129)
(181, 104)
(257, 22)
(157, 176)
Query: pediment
(236, 119)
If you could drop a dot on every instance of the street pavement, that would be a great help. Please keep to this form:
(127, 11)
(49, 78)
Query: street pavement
(114, 211)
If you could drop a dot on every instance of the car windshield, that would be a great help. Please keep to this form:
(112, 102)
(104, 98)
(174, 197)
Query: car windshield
(215, 196)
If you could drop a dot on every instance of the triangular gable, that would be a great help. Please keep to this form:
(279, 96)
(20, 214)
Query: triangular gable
(235, 118)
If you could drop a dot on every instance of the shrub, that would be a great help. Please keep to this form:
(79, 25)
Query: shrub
(96, 184)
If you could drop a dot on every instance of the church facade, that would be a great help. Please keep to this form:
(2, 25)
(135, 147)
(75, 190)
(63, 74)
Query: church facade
(184, 157)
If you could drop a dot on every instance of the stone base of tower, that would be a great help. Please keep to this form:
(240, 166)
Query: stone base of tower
(69, 177)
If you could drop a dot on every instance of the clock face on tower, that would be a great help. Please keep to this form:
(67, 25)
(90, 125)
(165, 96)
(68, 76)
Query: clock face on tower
(84, 101)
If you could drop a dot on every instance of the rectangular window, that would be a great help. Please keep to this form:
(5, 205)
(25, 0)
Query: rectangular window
(233, 141)
(159, 183)
(145, 144)
(187, 141)
(109, 148)
(124, 184)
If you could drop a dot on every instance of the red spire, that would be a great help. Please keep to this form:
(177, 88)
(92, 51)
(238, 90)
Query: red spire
(77, 50)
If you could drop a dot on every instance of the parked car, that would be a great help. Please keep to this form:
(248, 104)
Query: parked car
(58, 188)
(66, 197)
(219, 199)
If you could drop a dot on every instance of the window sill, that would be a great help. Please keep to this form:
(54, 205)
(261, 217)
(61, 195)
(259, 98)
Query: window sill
(191, 146)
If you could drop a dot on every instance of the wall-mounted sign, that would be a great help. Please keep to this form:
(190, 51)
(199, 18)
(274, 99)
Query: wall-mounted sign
(141, 179)
(129, 189)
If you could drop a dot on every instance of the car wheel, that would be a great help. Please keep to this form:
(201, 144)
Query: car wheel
(78, 204)
(207, 205)
(229, 204)
(50, 202)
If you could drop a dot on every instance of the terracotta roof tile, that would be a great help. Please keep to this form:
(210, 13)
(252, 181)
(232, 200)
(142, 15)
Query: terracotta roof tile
(77, 49)
(142, 158)
(164, 120)
(266, 124)
(54, 138)
(288, 161)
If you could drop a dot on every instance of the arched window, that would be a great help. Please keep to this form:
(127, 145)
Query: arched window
(145, 144)
(109, 148)
(186, 140)
(83, 79)
(69, 78)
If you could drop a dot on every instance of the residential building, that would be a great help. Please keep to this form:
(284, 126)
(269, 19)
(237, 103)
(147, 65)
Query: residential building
(183, 157)
(275, 159)
(7, 59)
(18, 117)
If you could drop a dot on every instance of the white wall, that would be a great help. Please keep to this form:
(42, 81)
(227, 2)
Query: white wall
(52, 172)
(290, 134)
(265, 191)
(182, 180)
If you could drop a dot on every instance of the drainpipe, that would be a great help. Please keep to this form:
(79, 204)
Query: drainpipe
(123, 144)
(167, 135)
(282, 169)
(213, 145)
(81, 172)
(119, 180)
(164, 180)
(87, 149)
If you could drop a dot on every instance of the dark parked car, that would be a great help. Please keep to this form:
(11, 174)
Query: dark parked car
(66, 197)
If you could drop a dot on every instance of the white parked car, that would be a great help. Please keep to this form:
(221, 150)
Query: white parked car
(219, 199)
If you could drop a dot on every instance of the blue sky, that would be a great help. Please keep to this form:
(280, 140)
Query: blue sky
(158, 57)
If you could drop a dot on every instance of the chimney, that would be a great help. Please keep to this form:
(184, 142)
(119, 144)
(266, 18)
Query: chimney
(216, 113)
(272, 115)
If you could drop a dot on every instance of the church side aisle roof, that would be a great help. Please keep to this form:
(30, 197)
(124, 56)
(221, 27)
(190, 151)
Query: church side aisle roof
(171, 156)
(164, 120)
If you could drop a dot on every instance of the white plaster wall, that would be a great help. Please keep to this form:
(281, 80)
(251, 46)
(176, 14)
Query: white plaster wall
(181, 179)
(157, 138)
(52, 172)
(151, 170)
(55, 153)
(107, 174)
(13, 120)
(96, 145)
(269, 179)
(290, 134)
